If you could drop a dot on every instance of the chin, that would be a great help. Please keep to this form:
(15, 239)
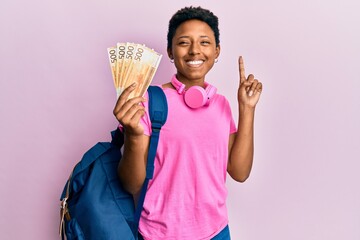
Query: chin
(196, 74)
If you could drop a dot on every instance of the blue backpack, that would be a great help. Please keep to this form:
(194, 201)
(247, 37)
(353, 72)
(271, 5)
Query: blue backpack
(94, 205)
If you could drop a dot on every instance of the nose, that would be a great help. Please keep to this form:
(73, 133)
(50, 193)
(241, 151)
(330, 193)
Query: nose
(194, 49)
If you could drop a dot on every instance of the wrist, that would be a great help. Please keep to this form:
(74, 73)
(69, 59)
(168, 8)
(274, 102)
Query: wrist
(246, 109)
(131, 137)
(246, 117)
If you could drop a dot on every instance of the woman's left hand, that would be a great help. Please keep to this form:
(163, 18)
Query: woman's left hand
(249, 88)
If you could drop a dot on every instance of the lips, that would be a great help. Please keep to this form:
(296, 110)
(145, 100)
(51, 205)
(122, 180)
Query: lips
(195, 63)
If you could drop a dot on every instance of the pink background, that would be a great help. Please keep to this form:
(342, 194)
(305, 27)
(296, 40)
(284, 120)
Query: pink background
(57, 96)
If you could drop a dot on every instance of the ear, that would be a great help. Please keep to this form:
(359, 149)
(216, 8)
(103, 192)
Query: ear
(169, 52)
(217, 51)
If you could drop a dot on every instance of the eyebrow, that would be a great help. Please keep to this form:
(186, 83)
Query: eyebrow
(203, 36)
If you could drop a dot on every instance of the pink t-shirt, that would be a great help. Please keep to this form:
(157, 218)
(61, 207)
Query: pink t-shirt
(186, 199)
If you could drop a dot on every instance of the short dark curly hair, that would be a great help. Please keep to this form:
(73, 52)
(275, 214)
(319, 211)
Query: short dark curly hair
(189, 13)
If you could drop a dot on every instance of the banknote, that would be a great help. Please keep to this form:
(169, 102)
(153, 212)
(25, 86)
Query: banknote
(120, 54)
(151, 68)
(133, 62)
(112, 60)
(141, 69)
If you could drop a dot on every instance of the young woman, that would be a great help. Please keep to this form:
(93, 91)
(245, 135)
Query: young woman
(199, 144)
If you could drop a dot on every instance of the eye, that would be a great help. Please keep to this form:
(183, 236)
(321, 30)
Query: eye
(183, 43)
(205, 43)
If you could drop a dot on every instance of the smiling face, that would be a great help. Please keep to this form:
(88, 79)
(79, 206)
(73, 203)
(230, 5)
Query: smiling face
(194, 51)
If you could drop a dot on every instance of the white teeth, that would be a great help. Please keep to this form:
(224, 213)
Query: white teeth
(195, 62)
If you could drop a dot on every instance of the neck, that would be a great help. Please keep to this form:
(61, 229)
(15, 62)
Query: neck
(191, 82)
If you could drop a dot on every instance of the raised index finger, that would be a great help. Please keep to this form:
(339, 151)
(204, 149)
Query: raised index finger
(241, 69)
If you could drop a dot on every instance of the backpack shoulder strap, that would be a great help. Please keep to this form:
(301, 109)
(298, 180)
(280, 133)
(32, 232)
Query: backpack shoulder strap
(158, 110)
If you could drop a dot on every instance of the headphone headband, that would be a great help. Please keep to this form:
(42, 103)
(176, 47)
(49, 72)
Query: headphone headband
(195, 96)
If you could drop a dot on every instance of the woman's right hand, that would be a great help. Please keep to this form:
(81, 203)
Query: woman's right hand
(129, 112)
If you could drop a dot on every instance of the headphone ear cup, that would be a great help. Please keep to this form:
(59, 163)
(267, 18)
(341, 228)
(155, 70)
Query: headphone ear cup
(210, 92)
(195, 97)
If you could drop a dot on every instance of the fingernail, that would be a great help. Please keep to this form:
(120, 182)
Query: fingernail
(251, 93)
(133, 84)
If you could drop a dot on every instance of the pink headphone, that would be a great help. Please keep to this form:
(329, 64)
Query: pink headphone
(195, 96)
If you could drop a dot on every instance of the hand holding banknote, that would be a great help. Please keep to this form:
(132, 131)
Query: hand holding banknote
(133, 63)
(129, 112)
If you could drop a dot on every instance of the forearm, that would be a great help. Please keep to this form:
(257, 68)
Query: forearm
(132, 166)
(242, 149)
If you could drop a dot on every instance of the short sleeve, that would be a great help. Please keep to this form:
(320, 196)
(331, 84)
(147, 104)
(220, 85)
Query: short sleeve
(233, 128)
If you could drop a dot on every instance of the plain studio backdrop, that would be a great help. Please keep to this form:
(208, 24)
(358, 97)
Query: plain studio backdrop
(57, 96)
